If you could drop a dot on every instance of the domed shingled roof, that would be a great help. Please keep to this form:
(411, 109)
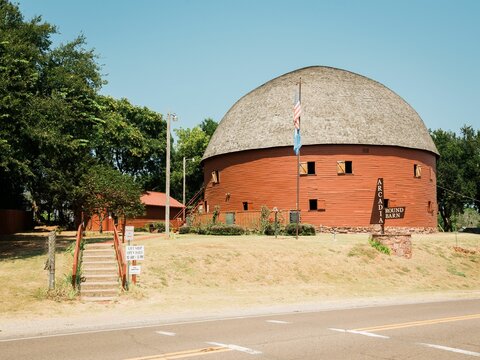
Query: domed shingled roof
(338, 107)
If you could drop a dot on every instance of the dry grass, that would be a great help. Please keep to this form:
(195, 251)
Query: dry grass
(200, 272)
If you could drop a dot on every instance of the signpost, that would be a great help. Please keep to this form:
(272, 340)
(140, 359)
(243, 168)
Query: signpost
(379, 212)
(133, 253)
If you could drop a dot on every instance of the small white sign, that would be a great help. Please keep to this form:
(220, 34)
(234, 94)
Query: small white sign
(129, 230)
(135, 252)
(135, 269)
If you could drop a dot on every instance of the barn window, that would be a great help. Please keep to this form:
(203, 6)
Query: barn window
(344, 167)
(307, 168)
(417, 171)
(245, 205)
(430, 207)
(432, 174)
(312, 204)
(215, 177)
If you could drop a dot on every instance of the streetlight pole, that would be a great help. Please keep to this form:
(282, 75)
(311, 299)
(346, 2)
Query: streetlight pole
(167, 180)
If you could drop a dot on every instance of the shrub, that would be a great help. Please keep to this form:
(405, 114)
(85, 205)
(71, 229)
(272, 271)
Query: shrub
(225, 230)
(270, 229)
(184, 229)
(303, 229)
(379, 246)
(140, 229)
(159, 226)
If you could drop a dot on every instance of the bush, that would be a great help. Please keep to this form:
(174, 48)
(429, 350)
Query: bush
(225, 230)
(270, 229)
(303, 229)
(184, 229)
(140, 229)
(159, 226)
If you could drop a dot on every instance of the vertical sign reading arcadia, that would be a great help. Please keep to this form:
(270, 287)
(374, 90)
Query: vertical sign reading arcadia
(378, 210)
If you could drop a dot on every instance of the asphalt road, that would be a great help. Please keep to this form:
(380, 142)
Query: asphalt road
(440, 330)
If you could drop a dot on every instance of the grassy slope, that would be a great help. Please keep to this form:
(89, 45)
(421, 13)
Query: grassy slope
(198, 272)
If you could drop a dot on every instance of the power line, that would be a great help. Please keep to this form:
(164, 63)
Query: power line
(457, 193)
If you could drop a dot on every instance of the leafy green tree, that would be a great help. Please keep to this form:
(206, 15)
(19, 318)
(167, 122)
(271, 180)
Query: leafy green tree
(23, 49)
(191, 145)
(457, 173)
(208, 126)
(106, 191)
(131, 139)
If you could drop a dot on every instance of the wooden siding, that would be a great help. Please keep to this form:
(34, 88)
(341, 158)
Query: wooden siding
(13, 221)
(268, 177)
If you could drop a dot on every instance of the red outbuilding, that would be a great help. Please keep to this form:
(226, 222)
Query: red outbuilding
(354, 131)
(154, 202)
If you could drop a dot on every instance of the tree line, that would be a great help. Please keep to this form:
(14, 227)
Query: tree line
(62, 142)
(458, 175)
(65, 148)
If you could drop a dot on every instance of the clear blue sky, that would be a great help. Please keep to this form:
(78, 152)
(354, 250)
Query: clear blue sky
(196, 58)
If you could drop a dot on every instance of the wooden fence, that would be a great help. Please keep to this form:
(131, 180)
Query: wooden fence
(247, 219)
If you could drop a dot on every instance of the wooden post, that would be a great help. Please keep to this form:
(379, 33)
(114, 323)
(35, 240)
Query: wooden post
(52, 238)
(134, 277)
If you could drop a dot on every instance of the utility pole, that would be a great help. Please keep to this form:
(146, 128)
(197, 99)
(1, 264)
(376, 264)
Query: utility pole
(167, 180)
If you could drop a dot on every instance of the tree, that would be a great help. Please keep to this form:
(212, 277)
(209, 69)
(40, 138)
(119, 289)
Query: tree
(191, 144)
(457, 172)
(23, 48)
(105, 190)
(131, 139)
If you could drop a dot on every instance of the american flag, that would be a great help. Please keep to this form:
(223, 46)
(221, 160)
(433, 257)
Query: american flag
(297, 111)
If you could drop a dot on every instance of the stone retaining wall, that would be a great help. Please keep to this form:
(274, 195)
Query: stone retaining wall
(399, 244)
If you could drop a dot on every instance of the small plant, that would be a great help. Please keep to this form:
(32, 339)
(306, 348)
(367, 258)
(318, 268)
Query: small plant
(216, 213)
(184, 229)
(140, 229)
(159, 226)
(303, 229)
(379, 246)
(264, 216)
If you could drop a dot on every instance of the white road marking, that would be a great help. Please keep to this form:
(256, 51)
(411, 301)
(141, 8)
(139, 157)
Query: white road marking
(277, 322)
(166, 333)
(236, 348)
(365, 333)
(339, 330)
(455, 350)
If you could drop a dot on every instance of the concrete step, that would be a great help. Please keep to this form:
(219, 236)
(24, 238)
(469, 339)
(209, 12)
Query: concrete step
(98, 285)
(94, 258)
(99, 251)
(100, 271)
(99, 246)
(92, 278)
(98, 264)
(98, 298)
(99, 292)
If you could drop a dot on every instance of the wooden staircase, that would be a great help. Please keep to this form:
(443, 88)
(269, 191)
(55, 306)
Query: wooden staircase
(99, 273)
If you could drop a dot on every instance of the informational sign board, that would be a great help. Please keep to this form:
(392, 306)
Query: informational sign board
(129, 230)
(135, 269)
(378, 210)
(135, 252)
(395, 212)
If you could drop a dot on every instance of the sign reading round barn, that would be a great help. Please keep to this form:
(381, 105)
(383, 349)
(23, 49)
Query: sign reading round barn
(354, 131)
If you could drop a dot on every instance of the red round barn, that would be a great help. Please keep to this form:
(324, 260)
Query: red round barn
(354, 131)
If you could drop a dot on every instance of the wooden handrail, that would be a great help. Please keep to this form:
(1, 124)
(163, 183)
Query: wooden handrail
(192, 200)
(122, 264)
(76, 255)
